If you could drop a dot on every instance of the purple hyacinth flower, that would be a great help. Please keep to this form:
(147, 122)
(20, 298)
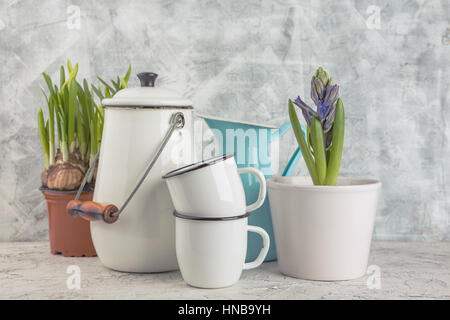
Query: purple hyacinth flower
(331, 95)
(317, 90)
(324, 107)
(330, 119)
(324, 93)
(314, 95)
(307, 117)
(306, 110)
(322, 110)
(328, 140)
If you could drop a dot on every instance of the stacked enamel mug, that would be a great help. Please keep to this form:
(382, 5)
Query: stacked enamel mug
(211, 221)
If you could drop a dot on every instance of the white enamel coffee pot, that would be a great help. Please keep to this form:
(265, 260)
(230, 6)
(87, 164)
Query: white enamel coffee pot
(148, 131)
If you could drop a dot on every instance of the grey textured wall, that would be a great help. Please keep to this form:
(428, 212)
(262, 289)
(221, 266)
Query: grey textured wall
(243, 59)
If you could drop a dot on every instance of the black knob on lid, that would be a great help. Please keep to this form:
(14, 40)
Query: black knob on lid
(147, 79)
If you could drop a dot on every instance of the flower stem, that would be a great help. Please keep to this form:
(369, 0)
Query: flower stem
(64, 151)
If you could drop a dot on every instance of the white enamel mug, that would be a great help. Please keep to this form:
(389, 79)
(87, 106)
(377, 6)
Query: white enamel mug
(211, 251)
(213, 188)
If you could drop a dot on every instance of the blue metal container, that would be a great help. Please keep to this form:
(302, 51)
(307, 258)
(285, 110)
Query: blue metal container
(251, 143)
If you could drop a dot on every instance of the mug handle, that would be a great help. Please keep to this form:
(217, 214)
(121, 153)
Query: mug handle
(264, 250)
(262, 187)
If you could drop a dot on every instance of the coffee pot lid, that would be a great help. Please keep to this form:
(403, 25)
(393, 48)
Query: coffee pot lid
(147, 96)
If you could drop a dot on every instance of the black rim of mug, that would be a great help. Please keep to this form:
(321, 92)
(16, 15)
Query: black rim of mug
(197, 165)
(187, 217)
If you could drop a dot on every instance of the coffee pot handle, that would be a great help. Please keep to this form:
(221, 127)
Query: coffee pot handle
(262, 187)
(92, 211)
(264, 250)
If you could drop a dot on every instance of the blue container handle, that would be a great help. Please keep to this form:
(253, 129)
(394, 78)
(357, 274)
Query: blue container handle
(282, 130)
(292, 163)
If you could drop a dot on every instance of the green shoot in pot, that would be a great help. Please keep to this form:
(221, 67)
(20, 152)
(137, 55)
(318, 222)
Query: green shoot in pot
(44, 139)
(337, 144)
(79, 126)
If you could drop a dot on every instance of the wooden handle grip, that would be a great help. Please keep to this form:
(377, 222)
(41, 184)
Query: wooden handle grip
(92, 211)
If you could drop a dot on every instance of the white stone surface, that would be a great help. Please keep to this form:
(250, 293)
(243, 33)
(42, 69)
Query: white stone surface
(408, 271)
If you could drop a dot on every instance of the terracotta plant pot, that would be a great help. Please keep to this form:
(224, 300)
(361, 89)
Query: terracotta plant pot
(69, 236)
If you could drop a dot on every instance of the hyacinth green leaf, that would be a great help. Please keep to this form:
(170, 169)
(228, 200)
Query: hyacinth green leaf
(71, 114)
(72, 75)
(49, 83)
(105, 84)
(99, 128)
(65, 100)
(59, 111)
(85, 99)
(93, 137)
(87, 92)
(87, 112)
(127, 76)
(337, 145)
(117, 85)
(51, 131)
(43, 136)
(62, 76)
(101, 124)
(98, 92)
(94, 134)
(59, 103)
(93, 144)
(62, 132)
(62, 122)
(84, 117)
(81, 131)
(45, 95)
(319, 150)
(100, 112)
(74, 72)
(123, 83)
(304, 148)
(308, 139)
(90, 108)
(69, 66)
(79, 124)
(46, 132)
(58, 126)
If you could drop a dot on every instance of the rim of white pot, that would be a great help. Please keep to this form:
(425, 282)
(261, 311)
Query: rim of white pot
(344, 184)
(256, 124)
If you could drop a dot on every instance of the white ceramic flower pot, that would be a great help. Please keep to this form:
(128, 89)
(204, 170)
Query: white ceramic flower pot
(323, 232)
